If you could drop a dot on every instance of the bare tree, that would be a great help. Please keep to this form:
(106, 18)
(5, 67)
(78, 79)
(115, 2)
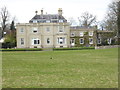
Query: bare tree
(4, 14)
(110, 20)
(87, 19)
(71, 20)
(118, 21)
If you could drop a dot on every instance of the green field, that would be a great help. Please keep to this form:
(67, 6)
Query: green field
(60, 69)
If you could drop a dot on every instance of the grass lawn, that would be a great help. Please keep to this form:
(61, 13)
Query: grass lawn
(60, 69)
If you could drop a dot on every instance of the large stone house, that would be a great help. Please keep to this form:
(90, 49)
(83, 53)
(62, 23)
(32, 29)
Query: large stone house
(44, 31)
(53, 31)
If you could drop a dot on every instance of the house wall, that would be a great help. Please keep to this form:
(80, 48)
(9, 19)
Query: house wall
(85, 36)
(43, 34)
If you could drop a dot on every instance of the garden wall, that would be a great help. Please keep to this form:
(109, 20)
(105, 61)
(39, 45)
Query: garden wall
(104, 47)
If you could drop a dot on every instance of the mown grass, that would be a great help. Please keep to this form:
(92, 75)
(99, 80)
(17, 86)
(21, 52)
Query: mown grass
(60, 69)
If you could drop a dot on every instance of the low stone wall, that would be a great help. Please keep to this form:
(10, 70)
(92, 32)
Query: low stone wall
(104, 47)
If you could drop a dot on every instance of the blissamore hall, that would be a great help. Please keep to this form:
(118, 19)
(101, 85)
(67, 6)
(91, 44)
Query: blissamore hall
(54, 31)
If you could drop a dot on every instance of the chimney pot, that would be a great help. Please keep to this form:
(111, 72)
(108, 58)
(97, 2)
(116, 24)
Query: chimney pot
(60, 11)
(41, 11)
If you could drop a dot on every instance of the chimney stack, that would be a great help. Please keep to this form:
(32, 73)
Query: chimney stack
(41, 11)
(36, 12)
(60, 11)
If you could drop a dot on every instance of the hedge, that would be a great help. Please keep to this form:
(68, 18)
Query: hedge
(41, 49)
(22, 49)
(74, 48)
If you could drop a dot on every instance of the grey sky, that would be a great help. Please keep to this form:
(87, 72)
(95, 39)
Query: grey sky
(24, 10)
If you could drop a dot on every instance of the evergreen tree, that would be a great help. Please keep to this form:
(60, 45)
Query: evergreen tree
(12, 26)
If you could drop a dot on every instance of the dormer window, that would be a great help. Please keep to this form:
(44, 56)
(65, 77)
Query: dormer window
(60, 21)
(47, 21)
(34, 21)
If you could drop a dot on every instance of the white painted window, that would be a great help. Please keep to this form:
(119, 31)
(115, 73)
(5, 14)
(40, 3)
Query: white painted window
(81, 34)
(81, 40)
(99, 41)
(47, 29)
(35, 41)
(109, 40)
(72, 42)
(22, 41)
(90, 40)
(91, 33)
(72, 34)
(4, 33)
(61, 40)
(61, 29)
(35, 30)
(48, 40)
(60, 21)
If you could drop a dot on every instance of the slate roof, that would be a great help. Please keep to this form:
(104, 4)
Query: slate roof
(54, 18)
(81, 27)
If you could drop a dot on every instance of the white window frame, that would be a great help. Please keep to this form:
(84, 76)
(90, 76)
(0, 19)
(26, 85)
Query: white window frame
(35, 39)
(35, 30)
(22, 42)
(99, 40)
(61, 40)
(81, 39)
(109, 40)
(72, 42)
(72, 34)
(91, 33)
(90, 40)
(60, 29)
(48, 40)
(81, 34)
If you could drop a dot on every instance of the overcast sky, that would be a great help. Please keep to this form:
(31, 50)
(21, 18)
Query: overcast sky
(24, 10)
